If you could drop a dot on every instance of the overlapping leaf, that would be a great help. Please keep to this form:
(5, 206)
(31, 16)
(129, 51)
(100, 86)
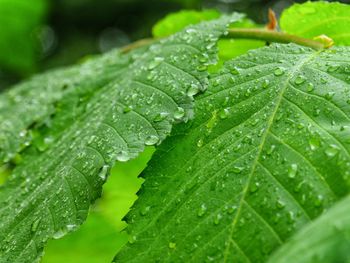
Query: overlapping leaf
(325, 240)
(267, 153)
(49, 193)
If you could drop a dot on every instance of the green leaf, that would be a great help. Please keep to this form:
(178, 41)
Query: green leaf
(327, 239)
(88, 245)
(176, 22)
(36, 101)
(267, 152)
(19, 19)
(312, 19)
(50, 191)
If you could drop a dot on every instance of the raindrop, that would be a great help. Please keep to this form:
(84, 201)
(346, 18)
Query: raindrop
(179, 113)
(271, 149)
(151, 140)
(314, 143)
(299, 80)
(223, 114)
(144, 211)
(103, 172)
(155, 62)
(217, 219)
(292, 170)
(172, 245)
(202, 210)
(123, 156)
(280, 204)
(237, 169)
(192, 90)
(332, 150)
(279, 71)
(310, 87)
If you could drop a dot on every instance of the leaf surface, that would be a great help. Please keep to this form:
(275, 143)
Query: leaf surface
(312, 19)
(267, 152)
(327, 239)
(176, 22)
(50, 191)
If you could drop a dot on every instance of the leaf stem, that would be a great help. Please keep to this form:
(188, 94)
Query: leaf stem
(137, 44)
(273, 36)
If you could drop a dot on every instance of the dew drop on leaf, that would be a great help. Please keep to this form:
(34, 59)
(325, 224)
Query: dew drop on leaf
(151, 140)
(299, 80)
(279, 71)
(172, 245)
(179, 113)
(292, 170)
(332, 150)
(202, 210)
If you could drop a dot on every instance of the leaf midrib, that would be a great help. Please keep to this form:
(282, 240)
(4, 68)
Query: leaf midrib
(277, 103)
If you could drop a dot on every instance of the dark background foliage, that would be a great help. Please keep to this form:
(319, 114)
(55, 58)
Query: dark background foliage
(69, 30)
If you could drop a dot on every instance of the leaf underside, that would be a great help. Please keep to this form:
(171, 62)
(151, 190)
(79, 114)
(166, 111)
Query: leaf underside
(50, 191)
(267, 152)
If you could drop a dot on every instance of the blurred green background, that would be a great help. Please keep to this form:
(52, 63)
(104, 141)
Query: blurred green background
(36, 35)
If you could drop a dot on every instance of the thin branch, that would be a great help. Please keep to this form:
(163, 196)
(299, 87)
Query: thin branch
(273, 36)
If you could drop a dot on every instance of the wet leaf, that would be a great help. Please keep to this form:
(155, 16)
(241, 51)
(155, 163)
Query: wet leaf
(88, 124)
(327, 239)
(264, 156)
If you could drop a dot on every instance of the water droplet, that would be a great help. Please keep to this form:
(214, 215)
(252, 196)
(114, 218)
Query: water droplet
(231, 209)
(280, 204)
(332, 150)
(279, 71)
(35, 225)
(299, 80)
(292, 170)
(161, 116)
(329, 95)
(217, 219)
(202, 210)
(314, 143)
(200, 143)
(224, 113)
(332, 68)
(145, 210)
(234, 71)
(265, 83)
(172, 245)
(318, 201)
(310, 87)
(132, 239)
(151, 140)
(179, 113)
(237, 169)
(254, 187)
(271, 149)
(192, 90)
(123, 156)
(103, 172)
(202, 68)
(153, 64)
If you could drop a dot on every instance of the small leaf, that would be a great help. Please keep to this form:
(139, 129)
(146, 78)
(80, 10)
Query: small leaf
(327, 239)
(312, 19)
